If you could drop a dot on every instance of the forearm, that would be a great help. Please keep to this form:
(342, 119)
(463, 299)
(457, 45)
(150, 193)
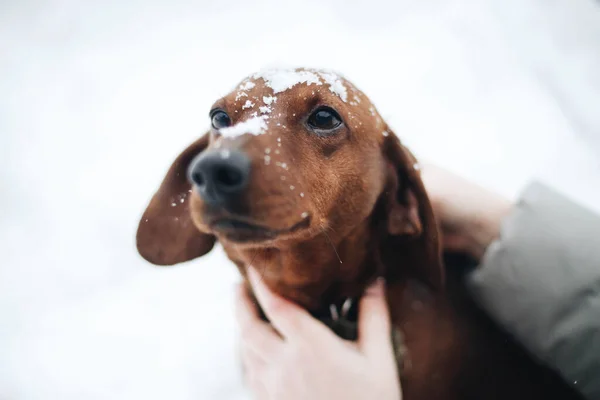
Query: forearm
(541, 280)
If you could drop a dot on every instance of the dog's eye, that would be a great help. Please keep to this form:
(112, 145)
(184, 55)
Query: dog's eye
(324, 118)
(220, 119)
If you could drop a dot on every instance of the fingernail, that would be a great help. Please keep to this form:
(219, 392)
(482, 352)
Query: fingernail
(253, 276)
(376, 288)
(251, 272)
(239, 290)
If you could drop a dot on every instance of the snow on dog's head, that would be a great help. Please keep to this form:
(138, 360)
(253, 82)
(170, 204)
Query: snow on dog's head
(258, 94)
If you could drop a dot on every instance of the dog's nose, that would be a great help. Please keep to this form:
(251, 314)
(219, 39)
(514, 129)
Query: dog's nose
(219, 176)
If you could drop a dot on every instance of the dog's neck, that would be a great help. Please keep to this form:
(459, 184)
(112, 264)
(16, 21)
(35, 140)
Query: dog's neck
(319, 272)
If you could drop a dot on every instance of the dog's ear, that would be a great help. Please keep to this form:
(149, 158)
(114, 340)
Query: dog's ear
(411, 247)
(166, 234)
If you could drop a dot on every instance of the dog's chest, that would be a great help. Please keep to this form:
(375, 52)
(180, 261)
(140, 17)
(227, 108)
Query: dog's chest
(453, 351)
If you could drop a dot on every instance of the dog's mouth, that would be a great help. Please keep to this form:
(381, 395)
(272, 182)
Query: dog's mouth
(237, 230)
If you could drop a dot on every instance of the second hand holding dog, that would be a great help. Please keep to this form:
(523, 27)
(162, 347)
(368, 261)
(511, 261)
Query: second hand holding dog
(298, 357)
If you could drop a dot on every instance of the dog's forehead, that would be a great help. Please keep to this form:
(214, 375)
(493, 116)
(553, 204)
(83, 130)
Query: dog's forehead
(277, 83)
(263, 98)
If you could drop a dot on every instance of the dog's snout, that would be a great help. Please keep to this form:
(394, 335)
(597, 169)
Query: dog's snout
(219, 176)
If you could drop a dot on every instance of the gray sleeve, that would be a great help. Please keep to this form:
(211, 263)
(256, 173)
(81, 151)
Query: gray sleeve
(541, 281)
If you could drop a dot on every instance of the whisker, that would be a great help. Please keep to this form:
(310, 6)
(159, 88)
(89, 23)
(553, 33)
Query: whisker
(332, 246)
(254, 258)
(252, 262)
(264, 266)
(331, 229)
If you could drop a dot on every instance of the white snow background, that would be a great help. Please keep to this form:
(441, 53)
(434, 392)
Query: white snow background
(98, 97)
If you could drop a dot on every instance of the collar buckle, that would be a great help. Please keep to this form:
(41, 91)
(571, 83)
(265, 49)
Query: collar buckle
(344, 310)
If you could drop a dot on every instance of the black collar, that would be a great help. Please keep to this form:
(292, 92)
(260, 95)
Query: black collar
(342, 318)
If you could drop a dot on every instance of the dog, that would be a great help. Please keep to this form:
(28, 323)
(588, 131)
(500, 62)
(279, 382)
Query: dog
(301, 177)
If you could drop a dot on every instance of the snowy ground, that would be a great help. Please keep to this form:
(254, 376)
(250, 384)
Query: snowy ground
(98, 98)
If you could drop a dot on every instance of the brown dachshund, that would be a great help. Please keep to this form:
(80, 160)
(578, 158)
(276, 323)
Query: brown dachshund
(300, 177)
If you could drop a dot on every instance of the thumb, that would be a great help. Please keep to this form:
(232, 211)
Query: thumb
(288, 318)
(374, 326)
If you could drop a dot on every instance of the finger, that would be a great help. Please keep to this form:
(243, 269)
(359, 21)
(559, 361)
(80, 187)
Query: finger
(254, 372)
(455, 243)
(290, 320)
(374, 326)
(255, 382)
(245, 308)
(251, 361)
(257, 336)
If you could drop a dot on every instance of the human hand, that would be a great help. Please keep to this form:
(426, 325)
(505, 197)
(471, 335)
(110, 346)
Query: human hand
(469, 215)
(297, 357)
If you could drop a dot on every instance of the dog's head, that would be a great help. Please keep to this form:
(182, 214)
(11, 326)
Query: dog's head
(292, 154)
